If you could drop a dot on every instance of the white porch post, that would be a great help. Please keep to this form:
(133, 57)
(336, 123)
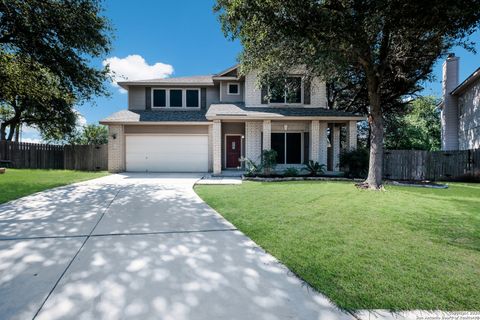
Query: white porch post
(336, 147)
(352, 135)
(217, 146)
(267, 134)
(323, 143)
(315, 140)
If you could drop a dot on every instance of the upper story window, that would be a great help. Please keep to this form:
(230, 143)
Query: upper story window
(233, 89)
(288, 91)
(176, 98)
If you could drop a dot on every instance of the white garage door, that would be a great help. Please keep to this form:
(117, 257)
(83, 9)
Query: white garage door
(167, 153)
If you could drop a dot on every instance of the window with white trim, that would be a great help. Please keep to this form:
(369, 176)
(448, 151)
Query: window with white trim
(289, 147)
(192, 98)
(159, 98)
(233, 88)
(288, 91)
(176, 98)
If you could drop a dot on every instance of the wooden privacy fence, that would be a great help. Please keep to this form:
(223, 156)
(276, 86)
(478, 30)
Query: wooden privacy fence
(24, 155)
(431, 165)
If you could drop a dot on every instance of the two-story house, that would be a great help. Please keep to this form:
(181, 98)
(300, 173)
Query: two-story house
(460, 108)
(208, 123)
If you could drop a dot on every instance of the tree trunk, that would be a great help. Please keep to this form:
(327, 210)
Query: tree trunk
(3, 131)
(375, 119)
(17, 133)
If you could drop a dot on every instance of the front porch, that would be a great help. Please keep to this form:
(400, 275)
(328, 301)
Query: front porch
(296, 142)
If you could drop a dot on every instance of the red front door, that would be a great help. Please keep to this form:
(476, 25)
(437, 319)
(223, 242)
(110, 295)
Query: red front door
(234, 151)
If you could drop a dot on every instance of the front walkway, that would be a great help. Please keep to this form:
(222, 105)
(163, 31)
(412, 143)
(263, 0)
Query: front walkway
(139, 246)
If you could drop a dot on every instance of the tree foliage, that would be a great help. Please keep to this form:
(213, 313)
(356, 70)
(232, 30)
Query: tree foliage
(45, 52)
(418, 129)
(32, 95)
(384, 48)
(90, 134)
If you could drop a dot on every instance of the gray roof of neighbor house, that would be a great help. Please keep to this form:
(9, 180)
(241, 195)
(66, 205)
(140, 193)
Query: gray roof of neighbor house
(135, 116)
(194, 80)
(467, 82)
(239, 111)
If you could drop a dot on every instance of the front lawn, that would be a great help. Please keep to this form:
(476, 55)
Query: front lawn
(407, 248)
(16, 183)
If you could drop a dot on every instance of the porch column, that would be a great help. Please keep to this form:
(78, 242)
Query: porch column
(335, 147)
(352, 135)
(315, 140)
(267, 134)
(217, 146)
(323, 143)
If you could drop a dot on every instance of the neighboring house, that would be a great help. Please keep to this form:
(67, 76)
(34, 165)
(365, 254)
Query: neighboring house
(208, 123)
(460, 108)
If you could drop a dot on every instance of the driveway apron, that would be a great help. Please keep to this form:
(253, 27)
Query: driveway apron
(140, 246)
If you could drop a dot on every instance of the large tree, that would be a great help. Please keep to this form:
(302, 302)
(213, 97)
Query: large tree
(389, 47)
(52, 40)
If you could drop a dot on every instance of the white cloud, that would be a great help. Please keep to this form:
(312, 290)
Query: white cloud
(134, 67)
(81, 120)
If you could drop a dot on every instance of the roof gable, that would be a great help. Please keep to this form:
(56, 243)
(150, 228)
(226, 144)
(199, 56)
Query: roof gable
(230, 72)
(471, 79)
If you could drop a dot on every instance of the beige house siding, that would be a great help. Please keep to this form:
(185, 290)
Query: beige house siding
(213, 95)
(136, 98)
(469, 118)
(231, 98)
(292, 126)
(166, 129)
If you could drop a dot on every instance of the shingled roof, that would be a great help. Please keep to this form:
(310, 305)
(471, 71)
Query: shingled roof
(206, 80)
(239, 111)
(134, 116)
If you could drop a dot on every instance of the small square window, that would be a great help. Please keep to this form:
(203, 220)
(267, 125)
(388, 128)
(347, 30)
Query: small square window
(192, 99)
(175, 98)
(159, 98)
(233, 88)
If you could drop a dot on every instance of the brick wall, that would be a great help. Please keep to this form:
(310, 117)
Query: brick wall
(217, 146)
(116, 149)
(253, 140)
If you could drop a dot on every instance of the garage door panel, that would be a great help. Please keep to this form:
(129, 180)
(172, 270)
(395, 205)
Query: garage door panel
(167, 153)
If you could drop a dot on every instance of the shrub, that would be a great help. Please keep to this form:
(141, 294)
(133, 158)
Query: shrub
(252, 169)
(269, 161)
(355, 163)
(291, 172)
(314, 168)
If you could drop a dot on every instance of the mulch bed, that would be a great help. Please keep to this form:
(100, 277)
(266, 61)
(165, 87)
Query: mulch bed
(279, 178)
(419, 184)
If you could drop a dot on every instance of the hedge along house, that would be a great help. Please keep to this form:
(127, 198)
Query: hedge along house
(208, 123)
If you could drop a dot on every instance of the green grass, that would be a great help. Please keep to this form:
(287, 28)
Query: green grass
(403, 249)
(16, 183)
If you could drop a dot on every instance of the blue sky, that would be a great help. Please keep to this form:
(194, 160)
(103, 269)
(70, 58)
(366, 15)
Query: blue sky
(184, 35)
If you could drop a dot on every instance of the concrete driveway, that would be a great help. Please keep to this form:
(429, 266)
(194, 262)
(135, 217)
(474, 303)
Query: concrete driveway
(139, 246)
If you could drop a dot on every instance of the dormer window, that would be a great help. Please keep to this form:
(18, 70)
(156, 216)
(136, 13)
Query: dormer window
(176, 98)
(288, 91)
(233, 89)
